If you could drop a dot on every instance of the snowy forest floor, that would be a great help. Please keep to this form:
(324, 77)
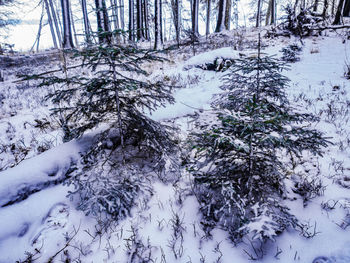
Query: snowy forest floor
(45, 226)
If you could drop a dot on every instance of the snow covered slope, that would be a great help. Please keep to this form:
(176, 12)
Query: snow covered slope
(166, 228)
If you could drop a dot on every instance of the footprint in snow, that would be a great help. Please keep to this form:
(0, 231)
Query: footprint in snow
(56, 218)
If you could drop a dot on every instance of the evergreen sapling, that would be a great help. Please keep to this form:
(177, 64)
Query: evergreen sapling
(111, 99)
(238, 172)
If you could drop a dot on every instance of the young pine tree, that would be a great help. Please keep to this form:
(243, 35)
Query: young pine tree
(238, 172)
(109, 96)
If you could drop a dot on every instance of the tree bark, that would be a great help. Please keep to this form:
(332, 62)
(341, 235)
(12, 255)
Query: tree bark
(67, 25)
(51, 24)
(145, 17)
(346, 10)
(102, 22)
(220, 21)
(207, 24)
(325, 8)
(139, 19)
(131, 21)
(315, 6)
(339, 12)
(258, 14)
(55, 21)
(175, 7)
(86, 22)
(194, 16)
(228, 14)
(157, 28)
(161, 20)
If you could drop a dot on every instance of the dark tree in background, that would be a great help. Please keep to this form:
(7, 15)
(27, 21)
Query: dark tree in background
(67, 25)
(103, 27)
(207, 21)
(157, 24)
(194, 16)
(221, 19)
(176, 15)
(338, 13)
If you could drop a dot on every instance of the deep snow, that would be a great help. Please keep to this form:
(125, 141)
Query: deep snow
(167, 227)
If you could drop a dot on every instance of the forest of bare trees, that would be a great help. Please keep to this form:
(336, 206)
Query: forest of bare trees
(121, 21)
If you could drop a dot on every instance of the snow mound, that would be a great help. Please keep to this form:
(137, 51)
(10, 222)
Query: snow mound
(210, 56)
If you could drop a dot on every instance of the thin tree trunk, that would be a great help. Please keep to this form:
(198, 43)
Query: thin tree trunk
(258, 14)
(102, 23)
(164, 26)
(346, 10)
(228, 14)
(37, 40)
(161, 20)
(86, 22)
(333, 7)
(131, 21)
(115, 17)
(268, 13)
(55, 21)
(325, 8)
(73, 25)
(122, 21)
(51, 24)
(220, 21)
(67, 26)
(157, 41)
(195, 11)
(339, 12)
(273, 12)
(207, 24)
(145, 17)
(138, 19)
(175, 7)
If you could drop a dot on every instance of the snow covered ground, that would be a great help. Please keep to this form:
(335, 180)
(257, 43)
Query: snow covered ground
(46, 227)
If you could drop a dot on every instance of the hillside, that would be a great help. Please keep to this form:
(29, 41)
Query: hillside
(40, 224)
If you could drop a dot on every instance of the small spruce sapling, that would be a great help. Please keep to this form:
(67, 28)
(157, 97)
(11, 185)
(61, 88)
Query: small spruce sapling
(238, 172)
(113, 96)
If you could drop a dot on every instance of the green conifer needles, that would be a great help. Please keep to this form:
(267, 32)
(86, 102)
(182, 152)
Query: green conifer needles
(238, 170)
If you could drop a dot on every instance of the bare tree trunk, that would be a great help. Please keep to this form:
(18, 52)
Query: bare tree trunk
(102, 22)
(139, 20)
(122, 21)
(333, 7)
(228, 14)
(339, 12)
(346, 10)
(161, 20)
(86, 22)
(273, 12)
(175, 7)
(131, 21)
(207, 24)
(115, 18)
(220, 21)
(145, 17)
(164, 26)
(315, 6)
(37, 40)
(73, 24)
(51, 24)
(67, 25)
(55, 21)
(258, 14)
(194, 16)
(325, 8)
(157, 28)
